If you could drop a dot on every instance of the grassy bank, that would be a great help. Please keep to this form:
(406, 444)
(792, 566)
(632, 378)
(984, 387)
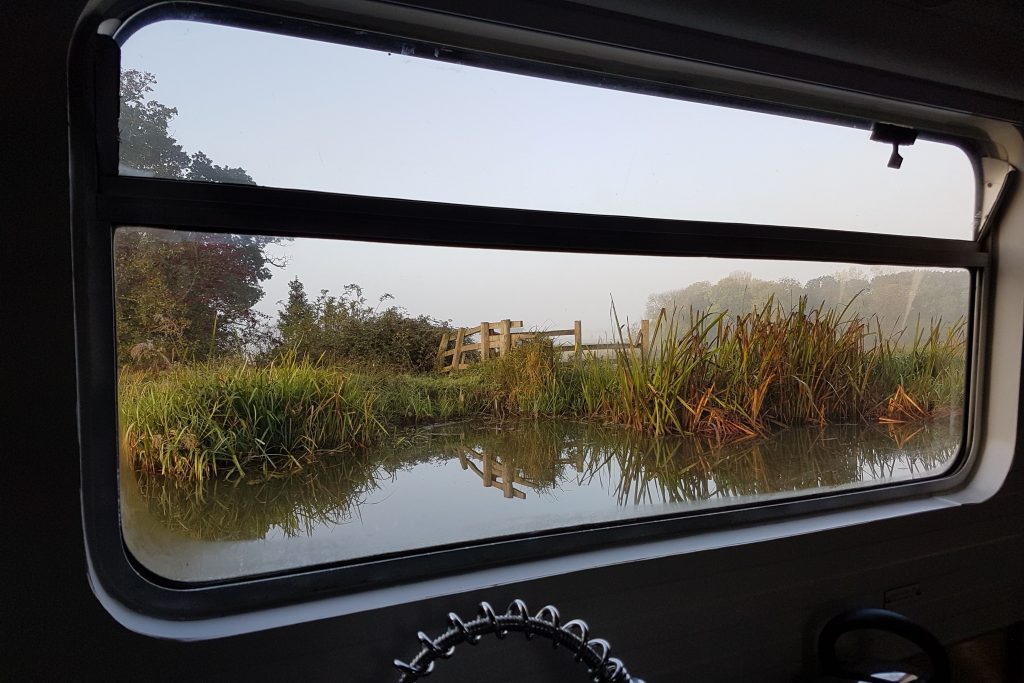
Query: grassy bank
(204, 419)
(714, 376)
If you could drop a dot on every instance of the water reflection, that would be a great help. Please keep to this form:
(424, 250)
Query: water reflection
(537, 475)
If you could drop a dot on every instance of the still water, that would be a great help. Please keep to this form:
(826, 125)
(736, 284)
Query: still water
(468, 481)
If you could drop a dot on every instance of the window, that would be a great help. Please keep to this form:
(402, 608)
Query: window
(344, 427)
(395, 124)
(410, 315)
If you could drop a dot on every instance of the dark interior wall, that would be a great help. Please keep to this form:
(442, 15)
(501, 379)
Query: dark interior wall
(734, 613)
(47, 614)
(969, 44)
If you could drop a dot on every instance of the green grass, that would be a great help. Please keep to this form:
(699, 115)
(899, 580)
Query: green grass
(207, 419)
(713, 376)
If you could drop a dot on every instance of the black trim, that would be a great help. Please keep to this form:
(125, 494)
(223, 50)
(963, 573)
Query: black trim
(302, 213)
(108, 104)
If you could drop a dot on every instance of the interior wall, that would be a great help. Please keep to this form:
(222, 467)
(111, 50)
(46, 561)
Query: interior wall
(746, 612)
(951, 41)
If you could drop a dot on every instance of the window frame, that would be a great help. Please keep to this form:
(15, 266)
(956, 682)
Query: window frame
(103, 200)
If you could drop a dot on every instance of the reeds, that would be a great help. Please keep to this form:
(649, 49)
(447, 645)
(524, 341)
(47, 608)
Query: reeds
(743, 376)
(200, 420)
(718, 377)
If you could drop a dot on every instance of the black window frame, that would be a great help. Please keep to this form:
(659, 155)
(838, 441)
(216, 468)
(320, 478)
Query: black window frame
(103, 200)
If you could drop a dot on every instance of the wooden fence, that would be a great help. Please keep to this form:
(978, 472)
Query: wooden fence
(498, 338)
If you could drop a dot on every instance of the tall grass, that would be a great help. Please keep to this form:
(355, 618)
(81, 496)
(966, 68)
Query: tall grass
(533, 380)
(717, 377)
(732, 377)
(206, 419)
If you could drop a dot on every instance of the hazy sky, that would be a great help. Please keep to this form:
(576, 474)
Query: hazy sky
(302, 114)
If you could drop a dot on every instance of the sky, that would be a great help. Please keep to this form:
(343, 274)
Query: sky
(301, 114)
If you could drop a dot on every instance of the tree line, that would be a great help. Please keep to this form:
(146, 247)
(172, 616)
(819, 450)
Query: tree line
(894, 300)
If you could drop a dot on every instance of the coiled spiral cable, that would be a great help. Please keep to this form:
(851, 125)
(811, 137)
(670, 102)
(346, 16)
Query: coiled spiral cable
(574, 635)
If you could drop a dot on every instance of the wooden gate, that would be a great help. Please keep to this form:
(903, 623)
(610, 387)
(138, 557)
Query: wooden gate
(498, 338)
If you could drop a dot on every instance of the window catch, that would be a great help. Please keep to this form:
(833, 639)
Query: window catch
(895, 136)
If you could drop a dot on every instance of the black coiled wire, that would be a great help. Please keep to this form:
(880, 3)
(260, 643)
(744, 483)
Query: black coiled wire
(573, 635)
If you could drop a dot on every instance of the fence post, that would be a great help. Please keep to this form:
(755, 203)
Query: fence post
(577, 332)
(485, 341)
(457, 358)
(441, 349)
(645, 335)
(506, 336)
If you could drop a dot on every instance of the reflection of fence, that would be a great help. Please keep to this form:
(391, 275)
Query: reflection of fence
(498, 338)
(496, 473)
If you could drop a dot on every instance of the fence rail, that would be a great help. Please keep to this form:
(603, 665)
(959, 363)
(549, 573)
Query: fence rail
(497, 339)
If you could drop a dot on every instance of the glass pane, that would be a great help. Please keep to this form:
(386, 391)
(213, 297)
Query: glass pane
(288, 403)
(297, 113)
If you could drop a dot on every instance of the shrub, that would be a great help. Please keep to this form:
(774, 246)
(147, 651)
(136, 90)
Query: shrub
(346, 330)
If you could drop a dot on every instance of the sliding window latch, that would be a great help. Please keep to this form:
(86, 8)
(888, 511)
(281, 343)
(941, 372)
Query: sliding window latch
(895, 136)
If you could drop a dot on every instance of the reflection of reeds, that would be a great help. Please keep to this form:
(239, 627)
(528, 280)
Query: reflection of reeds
(645, 469)
(633, 467)
(681, 469)
(796, 460)
(326, 491)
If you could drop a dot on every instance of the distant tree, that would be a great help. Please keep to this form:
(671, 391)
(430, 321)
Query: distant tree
(899, 300)
(739, 292)
(181, 294)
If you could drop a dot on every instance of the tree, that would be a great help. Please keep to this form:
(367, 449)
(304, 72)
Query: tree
(297, 321)
(201, 167)
(181, 294)
(143, 130)
(146, 145)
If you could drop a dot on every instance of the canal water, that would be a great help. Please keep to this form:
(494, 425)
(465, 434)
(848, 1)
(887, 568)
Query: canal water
(464, 482)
